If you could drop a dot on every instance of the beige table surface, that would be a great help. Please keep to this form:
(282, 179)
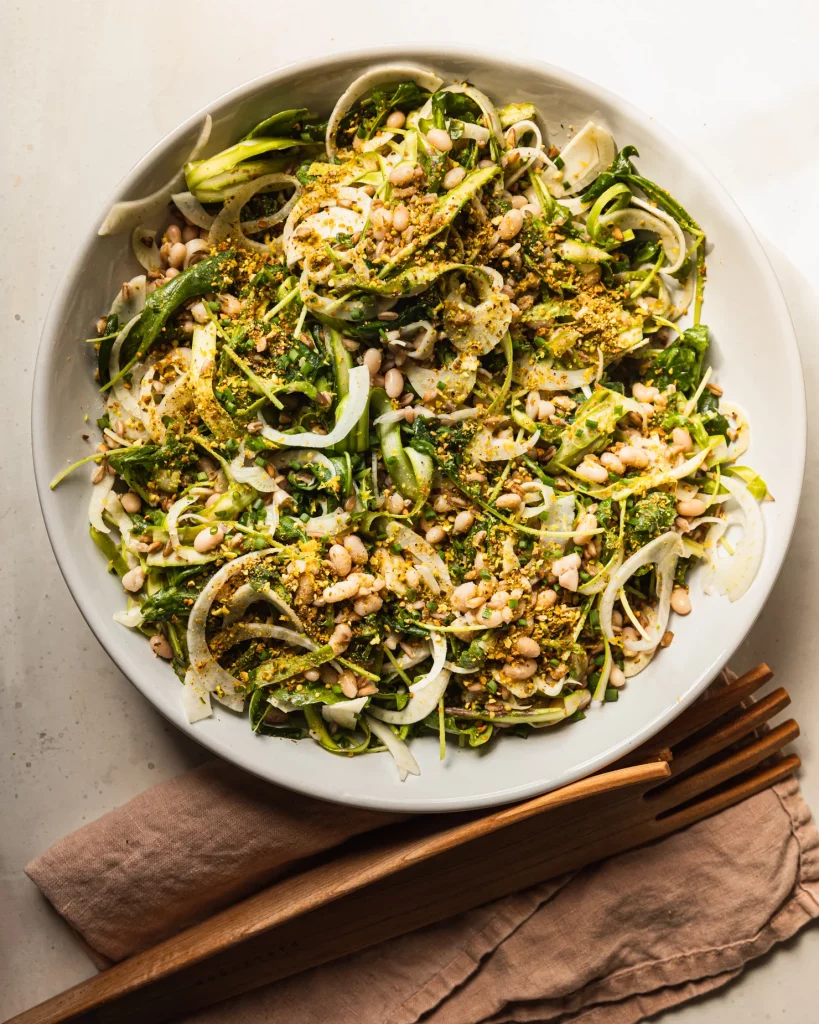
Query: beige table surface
(87, 88)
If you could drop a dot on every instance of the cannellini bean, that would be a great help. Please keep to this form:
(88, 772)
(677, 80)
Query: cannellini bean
(327, 674)
(617, 678)
(393, 382)
(173, 234)
(560, 565)
(545, 409)
(403, 174)
(131, 502)
(395, 504)
(680, 601)
(189, 232)
(397, 119)
(413, 578)
(691, 508)
(462, 595)
(367, 605)
(645, 394)
(372, 360)
(634, 457)
(612, 463)
(526, 647)
(442, 505)
(339, 557)
(682, 439)
(520, 670)
(341, 591)
(208, 539)
(519, 202)
(564, 402)
(401, 218)
(569, 580)
(509, 501)
(533, 404)
(161, 647)
(176, 257)
(132, 581)
(630, 636)
(230, 305)
(582, 534)
(434, 535)
(593, 472)
(439, 139)
(312, 675)
(339, 641)
(510, 225)
(348, 684)
(199, 313)
(488, 618)
(454, 177)
(463, 522)
(546, 599)
(355, 546)
(499, 599)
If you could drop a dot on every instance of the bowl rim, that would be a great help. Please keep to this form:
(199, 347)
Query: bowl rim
(82, 594)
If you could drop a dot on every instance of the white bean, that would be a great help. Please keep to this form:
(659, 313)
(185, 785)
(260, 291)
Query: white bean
(692, 508)
(571, 561)
(402, 175)
(463, 522)
(527, 647)
(508, 501)
(520, 670)
(189, 233)
(635, 457)
(533, 404)
(401, 218)
(682, 439)
(617, 678)
(454, 177)
(348, 684)
(339, 558)
(372, 360)
(645, 394)
(132, 581)
(462, 595)
(131, 502)
(439, 139)
(519, 202)
(161, 647)
(208, 539)
(545, 409)
(593, 472)
(569, 580)
(546, 599)
(612, 463)
(582, 536)
(393, 382)
(339, 641)
(630, 636)
(680, 601)
(355, 546)
(199, 313)
(176, 257)
(435, 535)
(173, 234)
(442, 505)
(395, 504)
(397, 119)
(341, 591)
(510, 225)
(368, 605)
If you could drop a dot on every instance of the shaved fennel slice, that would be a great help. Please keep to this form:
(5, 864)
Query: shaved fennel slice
(344, 713)
(588, 154)
(353, 410)
(542, 377)
(96, 506)
(247, 595)
(406, 763)
(195, 699)
(422, 703)
(439, 652)
(381, 75)
(145, 248)
(458, 379)
(634, 666)
(732, 575)
(132, 617)
(172, 519)
(421, 550)
(740, 445)
(130, 299)
(205, 672)
(329, 525)
(192, 210)
(664, 551)
(477, 329)
(639, 216)
(203, 366)
(127, 215)
(254, 475)
(486, 448)
(425, 345)
(228, 226)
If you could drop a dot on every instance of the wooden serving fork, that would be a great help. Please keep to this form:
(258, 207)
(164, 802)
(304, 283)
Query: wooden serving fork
(711, 757)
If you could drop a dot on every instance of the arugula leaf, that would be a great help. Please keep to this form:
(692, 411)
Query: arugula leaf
(681, 363)
(712, 419)
(651, 516)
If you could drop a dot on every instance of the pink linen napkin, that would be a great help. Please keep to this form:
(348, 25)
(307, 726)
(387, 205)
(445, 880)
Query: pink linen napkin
(613, 944)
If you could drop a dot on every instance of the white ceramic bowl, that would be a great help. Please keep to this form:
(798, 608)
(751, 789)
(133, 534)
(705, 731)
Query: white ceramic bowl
(754, 355)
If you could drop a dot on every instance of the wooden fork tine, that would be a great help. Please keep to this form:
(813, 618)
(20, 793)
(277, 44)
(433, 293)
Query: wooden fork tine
(729, 731)
(704, 808)
(704, 712)
(674, 794)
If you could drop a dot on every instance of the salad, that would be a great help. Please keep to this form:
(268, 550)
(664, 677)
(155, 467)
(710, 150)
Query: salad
(409, 424)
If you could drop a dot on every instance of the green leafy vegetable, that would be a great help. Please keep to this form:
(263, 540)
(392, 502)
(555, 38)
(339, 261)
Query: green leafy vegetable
(681, 363)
